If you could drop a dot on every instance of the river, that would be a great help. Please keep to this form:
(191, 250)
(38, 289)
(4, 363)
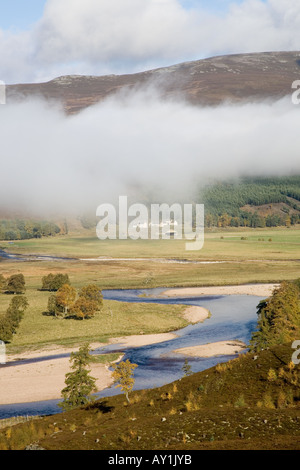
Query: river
(6, 256)
(233, 317)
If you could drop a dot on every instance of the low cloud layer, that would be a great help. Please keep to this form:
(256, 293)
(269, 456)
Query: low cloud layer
(167, 149)
(113, 36)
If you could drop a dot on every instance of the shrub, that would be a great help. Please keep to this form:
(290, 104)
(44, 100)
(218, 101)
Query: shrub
(240, 402)
(220, 368)
(268, 401)
(281, 399)
(272, 376)
(192, 403)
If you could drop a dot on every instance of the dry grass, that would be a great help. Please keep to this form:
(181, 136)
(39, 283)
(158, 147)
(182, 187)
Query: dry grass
(196, 417)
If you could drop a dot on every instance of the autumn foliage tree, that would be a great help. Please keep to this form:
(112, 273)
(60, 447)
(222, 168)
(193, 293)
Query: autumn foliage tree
(123, 376)
(86, 305)
(92, 293)
(65, 298)
(90, 301)
(84, 308)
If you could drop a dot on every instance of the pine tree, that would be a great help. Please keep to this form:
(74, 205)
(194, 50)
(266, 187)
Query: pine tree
(79, 384)
(186, 368)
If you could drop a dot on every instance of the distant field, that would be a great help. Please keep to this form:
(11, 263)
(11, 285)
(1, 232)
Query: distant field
(247, 256)
(271, 243)
(244, 256)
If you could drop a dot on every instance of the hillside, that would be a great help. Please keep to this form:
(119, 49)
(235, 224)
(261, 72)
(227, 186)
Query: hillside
(240, 77)
(236, 405)
(254, 202)
(247, 202)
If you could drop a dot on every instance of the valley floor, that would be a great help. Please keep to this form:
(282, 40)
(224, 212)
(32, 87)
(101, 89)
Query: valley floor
(39, 381)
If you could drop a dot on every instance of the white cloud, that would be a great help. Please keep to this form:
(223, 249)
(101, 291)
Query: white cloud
(54, 162)
(113, 36)
(109, 30)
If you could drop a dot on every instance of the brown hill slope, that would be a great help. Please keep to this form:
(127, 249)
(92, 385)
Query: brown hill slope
(210, 81)
(235, 405)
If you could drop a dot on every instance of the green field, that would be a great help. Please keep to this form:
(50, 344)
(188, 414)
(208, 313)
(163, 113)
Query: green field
(231, 244)
(37, 329)
(244, 256)
(247, 256)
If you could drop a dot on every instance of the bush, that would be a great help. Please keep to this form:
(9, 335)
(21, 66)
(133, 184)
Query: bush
(268, 401)
(240, 402)
(272, 376)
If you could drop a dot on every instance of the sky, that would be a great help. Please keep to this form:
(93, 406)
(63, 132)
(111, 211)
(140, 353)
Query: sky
(19, 14)
(54, 163)
(43, 39)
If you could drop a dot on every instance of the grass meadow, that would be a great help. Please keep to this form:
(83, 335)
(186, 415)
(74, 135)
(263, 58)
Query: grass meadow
(244, 256)
(37, 329)
(226, 244)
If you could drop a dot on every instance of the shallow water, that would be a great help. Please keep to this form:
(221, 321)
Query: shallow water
(233, 318)
(17, 257)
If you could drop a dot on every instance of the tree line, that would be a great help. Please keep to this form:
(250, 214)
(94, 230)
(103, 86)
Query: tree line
(19, 229)
(278, 317)
(225, 202)
(253, 220)
(64, 302)
(67, 302)
(10, 321)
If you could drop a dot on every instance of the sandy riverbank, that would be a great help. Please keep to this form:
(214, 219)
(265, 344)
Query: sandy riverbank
(44, 380)
(261, 290)
(196, 314)
(136, 341)
(39, 381)
(213, 349)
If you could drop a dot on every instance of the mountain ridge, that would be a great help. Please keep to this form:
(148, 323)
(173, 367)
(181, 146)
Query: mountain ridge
(209, 82)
